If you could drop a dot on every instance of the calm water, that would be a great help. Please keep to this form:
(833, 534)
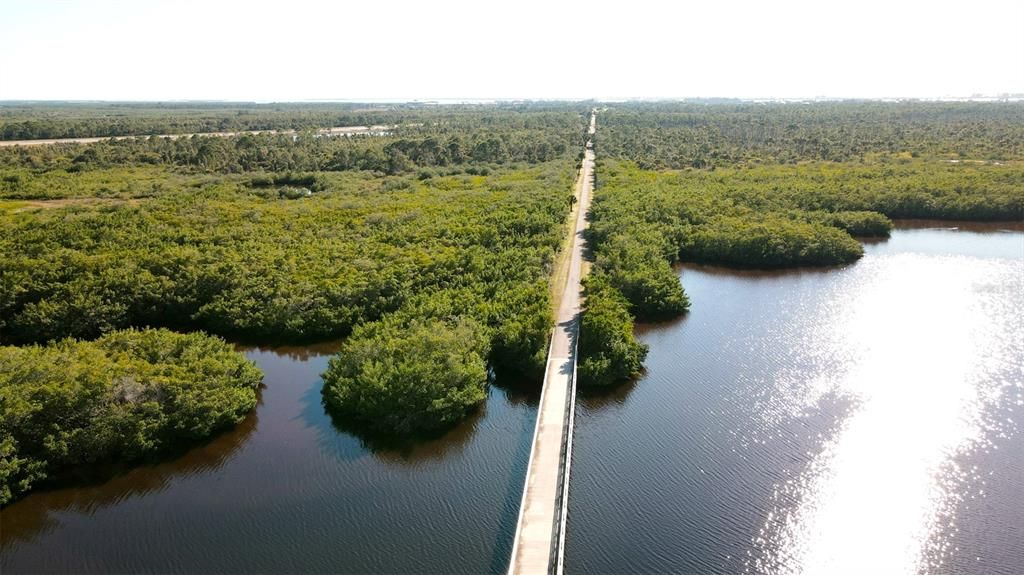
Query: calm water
(860, 420)
(286, 492)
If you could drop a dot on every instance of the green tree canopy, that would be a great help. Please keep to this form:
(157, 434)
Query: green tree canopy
(608, 351)
(403, 379)
(128, 395)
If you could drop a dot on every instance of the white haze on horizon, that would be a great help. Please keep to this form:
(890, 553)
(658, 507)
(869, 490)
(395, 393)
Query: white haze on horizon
(460, 50)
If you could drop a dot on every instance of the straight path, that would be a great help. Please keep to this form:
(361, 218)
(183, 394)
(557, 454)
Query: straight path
(339, 131)
(541, 528)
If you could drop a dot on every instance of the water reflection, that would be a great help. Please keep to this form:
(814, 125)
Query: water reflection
(39, 511)
(925, 355)
(974, 227)
(294, 352)
(518, 390)
(403, 451)
(862, 419)
(598, 399)
(757, 274)
(292, 494)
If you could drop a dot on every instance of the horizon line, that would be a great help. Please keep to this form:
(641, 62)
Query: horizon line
(1001, 97)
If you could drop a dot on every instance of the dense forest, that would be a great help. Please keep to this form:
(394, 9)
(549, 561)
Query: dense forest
(229, 258)
(430, 252)
(701, 135)
(434, 369)
(73, 405)
(445, 145)
(52, 120)
(776, 194)
(608, 350)
(781, 216)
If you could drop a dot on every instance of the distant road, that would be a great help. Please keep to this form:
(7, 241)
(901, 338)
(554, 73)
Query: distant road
(340, 131)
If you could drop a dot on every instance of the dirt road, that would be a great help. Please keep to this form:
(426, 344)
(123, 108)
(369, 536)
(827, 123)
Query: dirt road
(339, 131)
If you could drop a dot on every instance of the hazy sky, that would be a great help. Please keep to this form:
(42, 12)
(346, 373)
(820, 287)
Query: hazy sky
(376, 49)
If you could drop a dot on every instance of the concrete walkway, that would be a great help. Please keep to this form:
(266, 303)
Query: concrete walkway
(540, 532)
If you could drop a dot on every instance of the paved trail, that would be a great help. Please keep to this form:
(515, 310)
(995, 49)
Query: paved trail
(541, 528)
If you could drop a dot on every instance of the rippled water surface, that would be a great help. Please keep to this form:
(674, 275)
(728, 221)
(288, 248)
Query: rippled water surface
(288, 493)
(857, 420)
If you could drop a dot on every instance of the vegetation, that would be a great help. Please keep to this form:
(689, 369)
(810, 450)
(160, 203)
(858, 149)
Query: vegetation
(305, 152)
(398, 378)
(225, 259)
(635, 261)
(768, 242)
(41, 120)
(783, 216)
(448, 231)
(442, 228)
(608, 350)
(699, 135)
(439, 138)
(126, 396)
(775, 186)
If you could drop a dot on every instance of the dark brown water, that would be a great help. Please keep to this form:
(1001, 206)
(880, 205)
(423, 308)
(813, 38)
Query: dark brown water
(852, 420)
(286, 492)
(866, 419)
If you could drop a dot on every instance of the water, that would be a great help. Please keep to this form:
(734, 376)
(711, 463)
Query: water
(286, 492)
(857, 420)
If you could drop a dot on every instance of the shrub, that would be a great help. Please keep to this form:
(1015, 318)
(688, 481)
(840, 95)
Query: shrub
(608, 352)
(636, 267)
(772, 242)
(402, 379)
(126, 396)
(859, 223)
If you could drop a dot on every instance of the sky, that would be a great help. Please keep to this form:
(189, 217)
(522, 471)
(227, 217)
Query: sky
(452, 49)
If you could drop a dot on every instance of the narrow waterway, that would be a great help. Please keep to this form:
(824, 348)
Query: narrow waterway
(288, 493)
(857, 420)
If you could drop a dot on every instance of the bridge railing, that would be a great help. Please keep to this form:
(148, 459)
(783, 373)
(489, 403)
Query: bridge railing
(529, 464)
(564, 464)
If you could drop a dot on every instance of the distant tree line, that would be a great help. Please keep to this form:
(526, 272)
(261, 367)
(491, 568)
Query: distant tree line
(704, 136)
(307, 152)
(40, 120)
(506, 139)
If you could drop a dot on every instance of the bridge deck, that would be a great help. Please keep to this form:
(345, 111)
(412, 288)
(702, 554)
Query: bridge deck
(539, 533)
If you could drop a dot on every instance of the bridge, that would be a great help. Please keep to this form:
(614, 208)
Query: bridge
(540, 532)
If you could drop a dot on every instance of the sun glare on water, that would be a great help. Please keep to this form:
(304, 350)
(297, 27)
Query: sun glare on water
(920, 350)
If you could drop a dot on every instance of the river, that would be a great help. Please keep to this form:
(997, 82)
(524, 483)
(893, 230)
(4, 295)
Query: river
(855, 420)
(847, 420)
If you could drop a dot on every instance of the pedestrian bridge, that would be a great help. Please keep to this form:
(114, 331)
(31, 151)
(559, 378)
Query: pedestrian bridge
(540, 532)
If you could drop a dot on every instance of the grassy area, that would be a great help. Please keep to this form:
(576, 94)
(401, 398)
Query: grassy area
(560, 269)
(8, 206)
